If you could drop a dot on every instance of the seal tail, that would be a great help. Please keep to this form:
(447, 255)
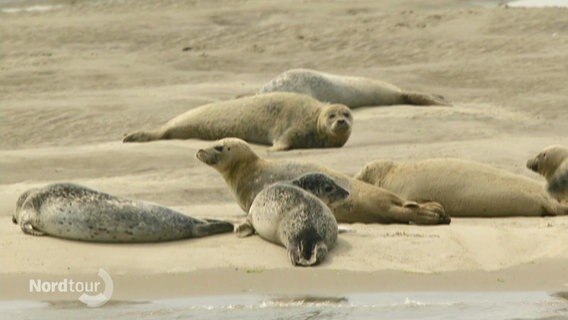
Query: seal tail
(425, 99)
(212, 227)
(308, 251)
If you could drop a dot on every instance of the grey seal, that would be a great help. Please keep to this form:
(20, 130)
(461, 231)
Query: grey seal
(75, 212)
(296, 215)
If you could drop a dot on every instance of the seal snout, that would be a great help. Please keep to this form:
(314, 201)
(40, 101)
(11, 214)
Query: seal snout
(341, 194)
(532, 164)
(206, 157)
(341, 125)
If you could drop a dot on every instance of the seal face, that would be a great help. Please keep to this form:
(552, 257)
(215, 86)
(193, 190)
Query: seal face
(247, 175)
(74, 212)
(464, 188)
(294, 214)
(282, 120)
(351, 91)
(552, 164)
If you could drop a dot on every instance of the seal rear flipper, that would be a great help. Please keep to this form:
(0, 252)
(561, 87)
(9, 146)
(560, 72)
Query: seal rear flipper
(210, 228)
(307, 253)
(425, 99)
(244, 230)
(142, 136)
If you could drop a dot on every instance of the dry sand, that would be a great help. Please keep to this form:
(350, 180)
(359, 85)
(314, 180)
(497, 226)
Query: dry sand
(74, 79)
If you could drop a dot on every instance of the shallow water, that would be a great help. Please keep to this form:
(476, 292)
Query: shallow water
(538, 3)
(423, 305)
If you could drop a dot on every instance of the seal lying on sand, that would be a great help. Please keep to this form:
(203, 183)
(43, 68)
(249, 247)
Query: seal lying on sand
(247, 174)
(294, 215)
(464, 188)
(351, 91)
(552, 163)
(74, 212)
(283, 120)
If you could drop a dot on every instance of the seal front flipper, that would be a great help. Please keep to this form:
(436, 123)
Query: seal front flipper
(429, 213)
(244, 229)
(279, 146)
(27, 228)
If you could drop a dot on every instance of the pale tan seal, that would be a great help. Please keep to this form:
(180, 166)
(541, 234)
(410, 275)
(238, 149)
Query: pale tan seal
(464, 188)
(353, 92)
(296, 215)
(552, 163)
(75, 212)
(283, 120)
(247, 174)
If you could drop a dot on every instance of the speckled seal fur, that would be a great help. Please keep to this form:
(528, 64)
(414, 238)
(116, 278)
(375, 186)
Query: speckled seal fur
(296, 215)
(281, 120)
(247, 174)
(351, 91)
(74, 212)
(464, 188)
(552, 164)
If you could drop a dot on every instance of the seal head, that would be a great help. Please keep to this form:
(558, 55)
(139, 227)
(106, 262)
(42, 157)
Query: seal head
(335, 121)
(221, 154)
(323, 187)
(548, 161)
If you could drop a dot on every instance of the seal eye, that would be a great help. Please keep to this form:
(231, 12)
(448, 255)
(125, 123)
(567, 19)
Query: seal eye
(328, 189)
(332, 116)
(219, 148)
(346, 114)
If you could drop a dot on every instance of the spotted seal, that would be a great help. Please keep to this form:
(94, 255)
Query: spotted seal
(353, 92)
(281, 120)
(75, 212)
(464, 188)
(296, 215)
(247, 174)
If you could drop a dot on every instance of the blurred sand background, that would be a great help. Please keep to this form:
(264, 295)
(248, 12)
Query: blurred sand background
(74, 79)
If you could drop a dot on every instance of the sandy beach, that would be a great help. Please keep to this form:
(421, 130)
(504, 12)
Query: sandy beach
(75, 78)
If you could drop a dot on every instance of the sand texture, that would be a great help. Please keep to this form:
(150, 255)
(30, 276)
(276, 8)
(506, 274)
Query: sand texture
(73, 80)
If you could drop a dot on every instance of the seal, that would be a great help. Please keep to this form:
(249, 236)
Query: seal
(247, 174)
(464, 188)
(283, 120)
(74, 212)
(552, 164)
(296, 215)
(353, 92)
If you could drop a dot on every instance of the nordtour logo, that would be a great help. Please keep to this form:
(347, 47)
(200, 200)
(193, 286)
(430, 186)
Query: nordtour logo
(92, 292)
